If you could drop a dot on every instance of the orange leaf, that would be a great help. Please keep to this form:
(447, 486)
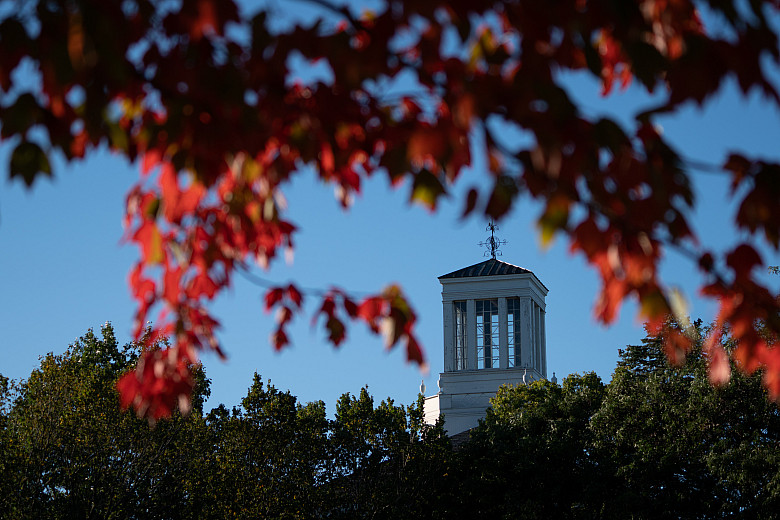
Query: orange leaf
(150, 160)
(718, 359)
(676, 345)
(150, 239)
(326, 158)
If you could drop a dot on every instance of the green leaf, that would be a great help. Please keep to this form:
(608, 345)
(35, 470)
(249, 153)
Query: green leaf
(427, 189)
(28, 160)
(555, 218)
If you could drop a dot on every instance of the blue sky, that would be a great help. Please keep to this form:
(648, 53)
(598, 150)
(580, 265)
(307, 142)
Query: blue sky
(63, 269)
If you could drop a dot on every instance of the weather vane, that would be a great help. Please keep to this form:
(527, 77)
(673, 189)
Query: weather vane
(492, 243)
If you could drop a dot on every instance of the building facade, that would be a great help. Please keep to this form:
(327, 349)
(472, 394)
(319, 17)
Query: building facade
(494, 334)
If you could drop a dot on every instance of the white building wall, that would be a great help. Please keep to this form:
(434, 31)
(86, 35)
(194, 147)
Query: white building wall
(465, 395)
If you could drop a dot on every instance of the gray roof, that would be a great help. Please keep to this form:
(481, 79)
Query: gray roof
(490, 267)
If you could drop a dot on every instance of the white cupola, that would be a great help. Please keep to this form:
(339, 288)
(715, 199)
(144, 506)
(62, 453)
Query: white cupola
(494, 334)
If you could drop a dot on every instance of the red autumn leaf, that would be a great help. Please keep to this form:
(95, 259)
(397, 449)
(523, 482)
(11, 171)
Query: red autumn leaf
(284, 316)
(143, 288)
(771, 376)
(718, 360)
(177, 202)
(149, 161)
(171, 286)
(161, 382)
(150, 239)
(743, 259)
(425, 147)
(272, 296)
(326, 159)
(202, 286)
(760, 207)
(279, 339)
(351, 308)
(328, 306)
(414, 352)
(464, 111)
(78, 146)
(295, 295)
(676, 345)
(200, 18)
(370, 310)
(748, 356)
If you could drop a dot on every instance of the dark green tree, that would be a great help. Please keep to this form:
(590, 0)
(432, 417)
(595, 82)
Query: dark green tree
(386, 462)
(658, 441)
(263, 460)
(10, 459)
(681, 448)
(71, 452)
(530, 457)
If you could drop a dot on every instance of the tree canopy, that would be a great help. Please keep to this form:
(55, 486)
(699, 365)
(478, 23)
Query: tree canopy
(678, 444)
(199, 94)
(658, 441)
(68, 450)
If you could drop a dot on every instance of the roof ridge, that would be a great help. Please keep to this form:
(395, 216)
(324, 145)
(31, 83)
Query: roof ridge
(489, 267)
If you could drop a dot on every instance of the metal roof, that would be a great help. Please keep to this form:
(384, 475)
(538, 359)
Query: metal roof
(490, 267)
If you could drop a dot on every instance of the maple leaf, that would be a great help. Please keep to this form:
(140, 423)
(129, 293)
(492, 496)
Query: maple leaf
(427, 189)
(161, 382)
(718, 359)
(28, 161)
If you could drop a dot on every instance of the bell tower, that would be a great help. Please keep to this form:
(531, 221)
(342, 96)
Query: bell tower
(494, 334)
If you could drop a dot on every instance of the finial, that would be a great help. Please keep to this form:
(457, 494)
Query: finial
(422, 386)
(492, 243)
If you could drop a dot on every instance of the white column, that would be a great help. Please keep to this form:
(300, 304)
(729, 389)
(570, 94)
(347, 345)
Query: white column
(526, 333)
(449, 337)
(503, 347)
(538, 336)
(544, 346)
(471, 326)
